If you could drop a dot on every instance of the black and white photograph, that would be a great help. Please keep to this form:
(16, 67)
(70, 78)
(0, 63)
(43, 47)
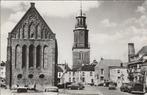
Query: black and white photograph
(73, 47)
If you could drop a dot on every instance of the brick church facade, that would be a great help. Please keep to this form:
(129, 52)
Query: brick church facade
(31, 53)
(81, 47)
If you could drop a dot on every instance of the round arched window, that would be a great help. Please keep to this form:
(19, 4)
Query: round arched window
(41, 76)
(30, 76)
(19, 76)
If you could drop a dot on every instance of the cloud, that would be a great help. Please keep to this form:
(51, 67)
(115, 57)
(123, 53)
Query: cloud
(138, 22)
(107, 23)
(143, 20)
(52, 8)
(140, 9)
(15, 6)
(143, 8)
(108, 46)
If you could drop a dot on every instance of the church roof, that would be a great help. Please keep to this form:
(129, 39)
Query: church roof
(32, 16)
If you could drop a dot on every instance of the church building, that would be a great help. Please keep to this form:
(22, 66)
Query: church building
(81, 47)
(31, 53)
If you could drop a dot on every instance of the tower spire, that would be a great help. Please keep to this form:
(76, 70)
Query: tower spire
(81, 7)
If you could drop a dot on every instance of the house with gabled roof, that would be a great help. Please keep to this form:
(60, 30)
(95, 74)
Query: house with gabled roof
(86, 74)
(63, 73)
(119, 74)
(102, 69)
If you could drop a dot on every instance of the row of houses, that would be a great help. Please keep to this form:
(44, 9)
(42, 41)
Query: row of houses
(95, 73)
(109, 70)
(85, 74)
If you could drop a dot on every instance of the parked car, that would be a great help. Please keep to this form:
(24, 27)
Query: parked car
(112, 86)
(91, 84)
(106, 84)
(3, 83)
(78, 86)
(21, 89)
(101, 84)
(51, 89)
(125, 87)
(63, 85)
(137, 88)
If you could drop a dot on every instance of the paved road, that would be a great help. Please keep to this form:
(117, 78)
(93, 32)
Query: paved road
(89, 90)
(8, 92)
(94, 90)
(106, 91)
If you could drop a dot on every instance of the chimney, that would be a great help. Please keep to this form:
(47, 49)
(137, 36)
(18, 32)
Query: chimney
(131, 51)
(32, 4)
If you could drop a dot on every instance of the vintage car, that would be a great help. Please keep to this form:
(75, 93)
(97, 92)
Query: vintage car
(63, 85)
(136, 88)
(112, 86)
(125, 87)
(101, 84)
(78, 86)
(3, 83)
(21, 89)
(51, 89)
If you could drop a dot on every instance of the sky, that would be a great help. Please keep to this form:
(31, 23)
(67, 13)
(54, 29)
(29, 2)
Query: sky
(112, 24)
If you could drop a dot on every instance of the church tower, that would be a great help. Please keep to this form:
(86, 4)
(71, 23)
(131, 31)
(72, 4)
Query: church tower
(81, 48)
